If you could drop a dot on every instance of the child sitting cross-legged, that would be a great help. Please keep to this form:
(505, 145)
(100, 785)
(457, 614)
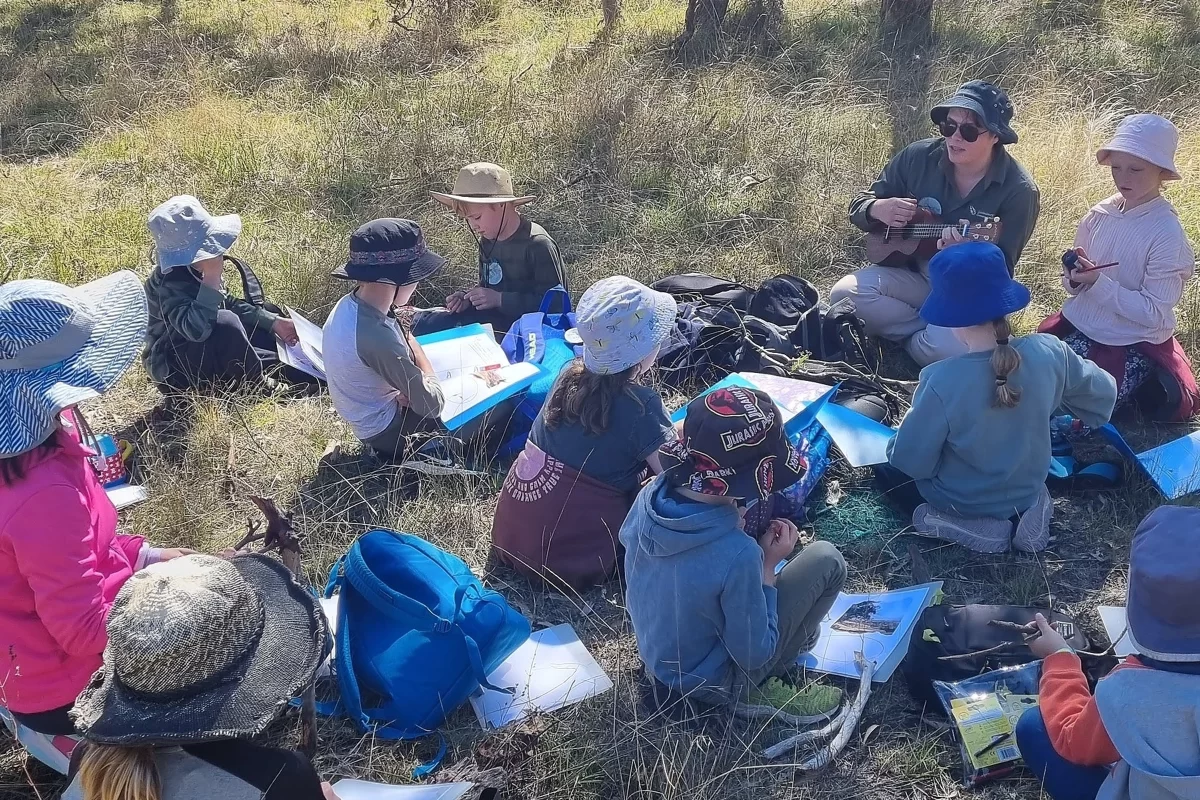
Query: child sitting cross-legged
(518, 261)
(712, 619)
(568, 492)
(970, 458)
(1138, 738)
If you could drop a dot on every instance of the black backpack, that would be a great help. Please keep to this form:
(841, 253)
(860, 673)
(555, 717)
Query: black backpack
(949, 630)
(707, 289)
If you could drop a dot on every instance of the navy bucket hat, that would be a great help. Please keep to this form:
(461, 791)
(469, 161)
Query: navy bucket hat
(389, 251)
(1164, 580)
(970, 285)
(986, 101)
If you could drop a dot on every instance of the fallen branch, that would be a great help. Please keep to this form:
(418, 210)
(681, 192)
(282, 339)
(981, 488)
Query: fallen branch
(772, 714)
(844, 725)
(807, 737)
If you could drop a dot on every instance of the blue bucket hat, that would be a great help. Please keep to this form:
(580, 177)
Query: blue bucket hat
(60, 346)
(391, 251)
(620, 322)
(1164, 580)
(970, 285)
(986, 101)
(184, 232)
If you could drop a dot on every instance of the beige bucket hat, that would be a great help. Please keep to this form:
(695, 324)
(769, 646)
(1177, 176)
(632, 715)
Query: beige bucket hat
(1148, 137)
(482, 183)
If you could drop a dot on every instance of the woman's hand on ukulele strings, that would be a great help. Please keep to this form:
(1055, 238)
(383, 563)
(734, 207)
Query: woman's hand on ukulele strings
(950, 237)
(894, 212)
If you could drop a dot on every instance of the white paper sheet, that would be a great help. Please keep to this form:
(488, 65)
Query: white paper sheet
(882, 635)
(126, 495)
(349, 789)
(550, 670)
(1115, 626)
(306, 355)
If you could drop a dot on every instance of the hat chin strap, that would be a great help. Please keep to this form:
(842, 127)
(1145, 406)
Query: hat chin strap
(69, 340)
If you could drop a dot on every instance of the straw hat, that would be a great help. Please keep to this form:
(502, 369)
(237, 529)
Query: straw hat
(200, 649)
(1146, 136)
(60, 346)
(482, 183)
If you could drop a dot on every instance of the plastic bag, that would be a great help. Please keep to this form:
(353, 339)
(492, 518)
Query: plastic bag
(985, 710)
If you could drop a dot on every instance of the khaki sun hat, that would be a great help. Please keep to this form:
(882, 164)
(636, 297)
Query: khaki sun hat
(482, 183)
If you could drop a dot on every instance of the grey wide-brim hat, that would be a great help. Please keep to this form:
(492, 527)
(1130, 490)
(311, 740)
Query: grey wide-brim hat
(1164, 581)
(184, 232)
(60, 346)
(202, 648)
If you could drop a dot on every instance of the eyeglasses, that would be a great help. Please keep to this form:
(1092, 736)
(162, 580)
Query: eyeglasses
(967, 130)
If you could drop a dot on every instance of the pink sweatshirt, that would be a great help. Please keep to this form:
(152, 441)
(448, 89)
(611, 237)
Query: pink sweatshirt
(61, 564)
(1135, 301)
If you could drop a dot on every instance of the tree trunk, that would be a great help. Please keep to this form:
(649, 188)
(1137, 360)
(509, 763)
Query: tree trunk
(612, 12)
(702, 23)
(898, 15)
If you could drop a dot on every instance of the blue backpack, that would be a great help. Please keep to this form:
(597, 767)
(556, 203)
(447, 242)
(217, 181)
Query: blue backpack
(417, 633)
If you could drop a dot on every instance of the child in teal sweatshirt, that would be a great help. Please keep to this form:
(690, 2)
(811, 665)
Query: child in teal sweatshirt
(973, 452)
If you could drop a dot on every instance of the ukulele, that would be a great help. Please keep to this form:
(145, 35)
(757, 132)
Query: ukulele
(916, 242)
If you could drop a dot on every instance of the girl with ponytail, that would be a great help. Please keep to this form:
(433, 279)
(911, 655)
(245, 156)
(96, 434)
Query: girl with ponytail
(969, 460)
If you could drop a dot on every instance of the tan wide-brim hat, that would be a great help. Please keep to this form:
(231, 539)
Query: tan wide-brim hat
(482, 183)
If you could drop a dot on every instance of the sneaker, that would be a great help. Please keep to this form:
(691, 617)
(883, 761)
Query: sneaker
(1033, 528)
(813, 702)
(983, 535)
(436, 457)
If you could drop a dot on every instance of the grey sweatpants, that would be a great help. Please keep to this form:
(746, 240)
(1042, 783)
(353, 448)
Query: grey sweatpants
(888, 301)
(806, 588)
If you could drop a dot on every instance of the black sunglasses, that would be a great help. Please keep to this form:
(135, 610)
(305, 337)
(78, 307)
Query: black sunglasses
(969, 131)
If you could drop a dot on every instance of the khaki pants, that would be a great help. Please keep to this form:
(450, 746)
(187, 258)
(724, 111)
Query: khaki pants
(806, 588)
(888, 301)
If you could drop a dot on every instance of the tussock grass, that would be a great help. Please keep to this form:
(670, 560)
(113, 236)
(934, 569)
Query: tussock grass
(309, 117)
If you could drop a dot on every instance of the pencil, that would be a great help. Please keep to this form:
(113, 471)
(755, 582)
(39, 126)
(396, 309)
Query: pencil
(1098, 266)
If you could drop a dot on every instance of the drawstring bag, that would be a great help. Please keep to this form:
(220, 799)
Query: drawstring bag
(417, 634)
(540, 337)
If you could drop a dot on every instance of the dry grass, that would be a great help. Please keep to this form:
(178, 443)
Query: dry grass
(309, 117)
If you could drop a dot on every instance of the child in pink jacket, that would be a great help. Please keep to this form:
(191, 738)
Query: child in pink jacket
(61, 558)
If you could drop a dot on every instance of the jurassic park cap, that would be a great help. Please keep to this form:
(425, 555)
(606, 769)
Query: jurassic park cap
(733, 445)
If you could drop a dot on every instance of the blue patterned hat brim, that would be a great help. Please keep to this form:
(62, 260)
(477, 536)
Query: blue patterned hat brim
(30, 400)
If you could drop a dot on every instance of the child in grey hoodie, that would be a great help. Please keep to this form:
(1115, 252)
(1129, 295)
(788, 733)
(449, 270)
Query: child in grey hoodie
(712, 619)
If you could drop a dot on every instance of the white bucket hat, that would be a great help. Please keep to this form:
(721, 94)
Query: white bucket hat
(184, 232)
(60, 346)
(620, 322)
(1148, 137)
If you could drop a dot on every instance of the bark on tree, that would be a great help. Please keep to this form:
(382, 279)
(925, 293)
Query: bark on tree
(703, 20)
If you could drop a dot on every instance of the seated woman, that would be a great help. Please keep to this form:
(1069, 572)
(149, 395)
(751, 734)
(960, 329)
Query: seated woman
(200, 336)
(568, 492)
(203, 654)
(1123, 316)
(970, 457)
(61, 558)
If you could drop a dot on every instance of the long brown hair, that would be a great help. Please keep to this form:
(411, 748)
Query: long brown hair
(1005, 361)
(584, 398)
(14, 468)
(108, 772)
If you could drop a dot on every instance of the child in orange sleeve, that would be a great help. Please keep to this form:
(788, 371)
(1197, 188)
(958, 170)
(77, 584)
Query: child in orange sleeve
(1138, 738)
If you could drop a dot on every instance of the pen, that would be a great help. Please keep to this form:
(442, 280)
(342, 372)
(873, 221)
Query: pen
(996, 742)
(1098, 266)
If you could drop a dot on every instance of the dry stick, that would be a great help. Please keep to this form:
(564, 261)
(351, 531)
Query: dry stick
(772, 714)
(846, 723)
(807, 737)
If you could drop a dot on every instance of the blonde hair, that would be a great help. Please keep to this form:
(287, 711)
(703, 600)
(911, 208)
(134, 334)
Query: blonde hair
(108, 772)
(1005, 361)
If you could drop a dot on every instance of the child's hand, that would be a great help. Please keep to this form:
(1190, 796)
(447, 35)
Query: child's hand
(1050, 641)
(458, 302)
(483, 299)
(285, 330)
(778, 541)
